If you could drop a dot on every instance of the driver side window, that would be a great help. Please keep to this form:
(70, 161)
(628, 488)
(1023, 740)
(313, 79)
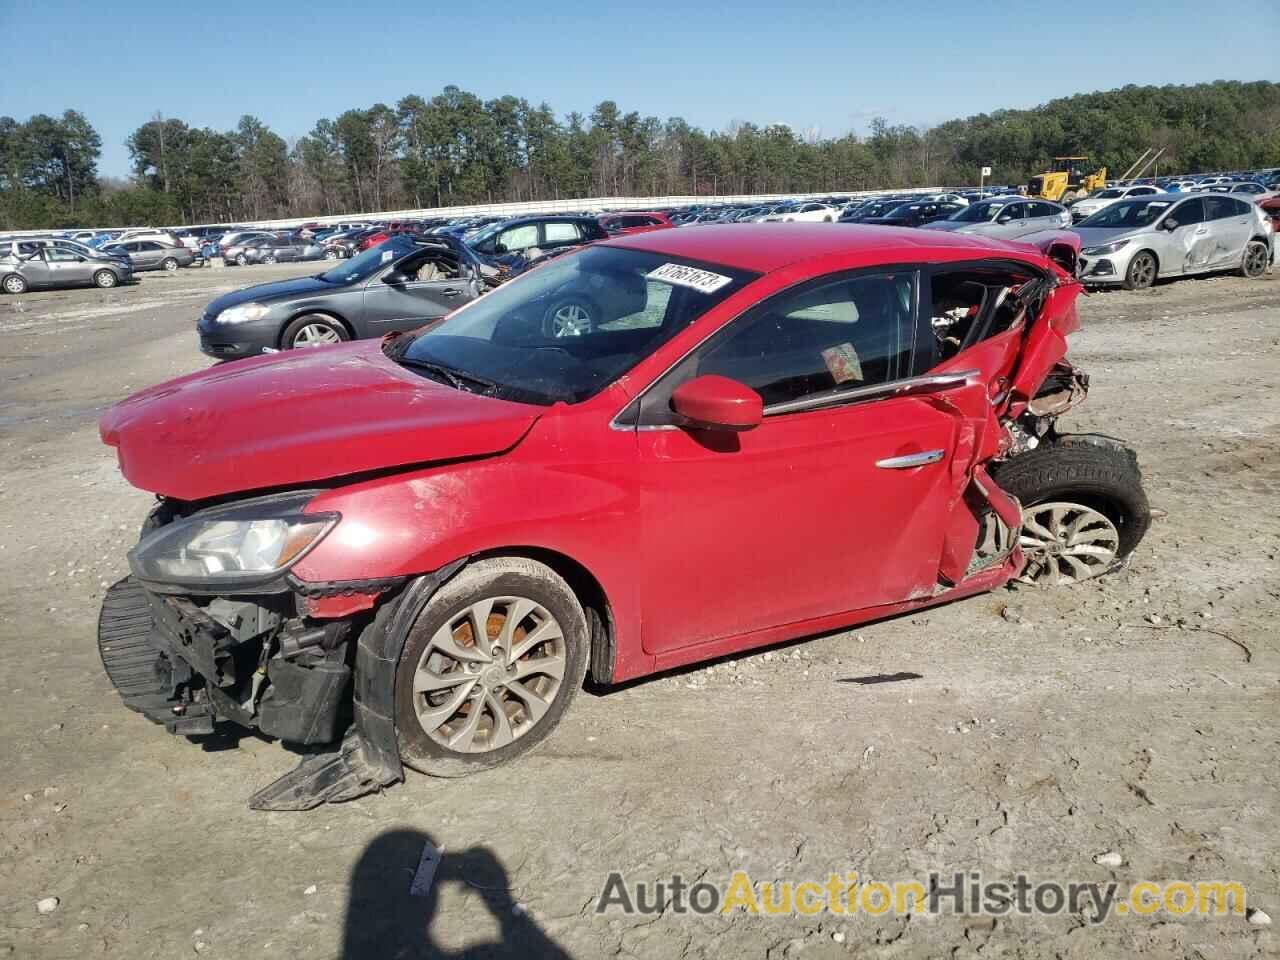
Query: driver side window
(518, 238)
(842, 333)
(431, 265)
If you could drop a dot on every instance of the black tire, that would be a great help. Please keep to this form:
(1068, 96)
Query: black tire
(556, 322)
(288, 339)
(106, 279)
(492, 577)
(1256, 257)
(1142, 272)
(14, 283)
(169, 265)
(1094, 472)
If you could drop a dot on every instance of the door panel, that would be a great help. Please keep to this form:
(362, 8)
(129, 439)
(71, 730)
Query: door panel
(791, 520)
(407, 306)
(1230, 230)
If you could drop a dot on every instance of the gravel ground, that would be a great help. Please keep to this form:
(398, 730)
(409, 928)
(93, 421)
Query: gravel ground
(1136, 714)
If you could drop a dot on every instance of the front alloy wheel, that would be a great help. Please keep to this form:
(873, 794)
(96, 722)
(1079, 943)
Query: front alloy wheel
(1065, 543)
(170, 265)
(489, 668)
(315, 335)
(15, 284)
(570, 319)
(1141, 273)
(489, 674)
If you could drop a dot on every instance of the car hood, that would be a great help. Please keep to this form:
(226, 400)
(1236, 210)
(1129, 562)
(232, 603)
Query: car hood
(278, 290)
(1096, 236)
(299, 417)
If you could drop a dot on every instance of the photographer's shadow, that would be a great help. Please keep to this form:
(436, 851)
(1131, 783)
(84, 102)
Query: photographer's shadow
(386, 921)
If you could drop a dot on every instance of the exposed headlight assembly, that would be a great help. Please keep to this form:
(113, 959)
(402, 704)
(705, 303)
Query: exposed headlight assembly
(244, 313)
(239, 544)
(1105, 249)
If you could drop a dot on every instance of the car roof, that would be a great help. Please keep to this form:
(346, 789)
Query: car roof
(765, 247)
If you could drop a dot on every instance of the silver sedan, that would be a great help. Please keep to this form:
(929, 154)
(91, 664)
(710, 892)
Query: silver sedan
(1005, 218)
(1134, 242)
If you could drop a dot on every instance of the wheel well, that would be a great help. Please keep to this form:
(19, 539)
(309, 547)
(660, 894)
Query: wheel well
(589, 593)
(1154, 256)
(316, 313)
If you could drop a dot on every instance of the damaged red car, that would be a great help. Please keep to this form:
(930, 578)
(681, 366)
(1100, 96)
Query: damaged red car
(416, 550)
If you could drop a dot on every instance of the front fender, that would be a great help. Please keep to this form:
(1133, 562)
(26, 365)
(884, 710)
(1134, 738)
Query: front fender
(527, 500)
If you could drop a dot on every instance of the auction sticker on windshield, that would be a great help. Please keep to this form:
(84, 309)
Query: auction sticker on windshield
(704, 281)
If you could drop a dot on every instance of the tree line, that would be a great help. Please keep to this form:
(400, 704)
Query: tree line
(456, 148)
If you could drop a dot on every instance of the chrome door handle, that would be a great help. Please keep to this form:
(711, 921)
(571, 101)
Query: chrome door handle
(451, 292)
(911, 460)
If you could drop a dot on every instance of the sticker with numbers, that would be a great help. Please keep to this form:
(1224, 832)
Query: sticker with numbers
(704, 281)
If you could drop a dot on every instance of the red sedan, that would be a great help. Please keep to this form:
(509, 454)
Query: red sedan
(624, 224)
(748, 434)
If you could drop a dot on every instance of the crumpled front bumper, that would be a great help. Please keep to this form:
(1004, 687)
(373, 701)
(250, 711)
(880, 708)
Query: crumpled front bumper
(180, 667)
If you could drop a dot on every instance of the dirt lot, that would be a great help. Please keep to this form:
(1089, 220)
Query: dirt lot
(1137, 714)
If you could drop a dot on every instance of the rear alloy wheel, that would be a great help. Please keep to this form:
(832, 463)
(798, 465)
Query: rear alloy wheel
(1142, 271)
(242, 260)
(489, 668)
(170, 265)
(1083, 507)
(568, 318)
(105, 279)
(14, 283)
(1066, 543)
(1255, 260)
(331, 254)
(270, 259)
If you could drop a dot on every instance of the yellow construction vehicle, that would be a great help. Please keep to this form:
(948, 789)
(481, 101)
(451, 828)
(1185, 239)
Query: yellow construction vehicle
(1067, 181)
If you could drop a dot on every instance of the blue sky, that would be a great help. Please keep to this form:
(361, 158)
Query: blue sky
(828, 65)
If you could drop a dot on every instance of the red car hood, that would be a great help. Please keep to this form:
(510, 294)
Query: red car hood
(301, 416)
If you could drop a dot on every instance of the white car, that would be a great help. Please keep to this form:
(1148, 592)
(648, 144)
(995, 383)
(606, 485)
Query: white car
(148, 233)
(946, 198)
(812, 212)
(1104, 198)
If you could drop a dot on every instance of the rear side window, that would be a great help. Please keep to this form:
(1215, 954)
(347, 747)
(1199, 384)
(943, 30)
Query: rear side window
(561, 232)
(1043, 210)
(970, 304)
(851, 332)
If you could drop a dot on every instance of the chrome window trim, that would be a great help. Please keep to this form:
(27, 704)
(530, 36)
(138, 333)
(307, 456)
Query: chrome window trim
(873, 392)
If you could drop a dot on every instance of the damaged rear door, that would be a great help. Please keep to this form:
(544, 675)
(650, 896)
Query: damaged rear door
(1004, 324)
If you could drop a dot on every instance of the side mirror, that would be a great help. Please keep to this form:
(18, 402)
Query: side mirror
(713, 402)
(1169, 224)
(395, 277)
(1004, 219)
(499, 248)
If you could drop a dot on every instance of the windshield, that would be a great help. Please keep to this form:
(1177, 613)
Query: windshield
(569, 328)
(1108, 194)
(365, 265)
(1128, 213)
(979, 212)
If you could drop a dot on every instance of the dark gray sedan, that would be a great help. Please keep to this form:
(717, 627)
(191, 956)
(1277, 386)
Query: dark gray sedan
(399, 285)
(153, 255)
(280, 250)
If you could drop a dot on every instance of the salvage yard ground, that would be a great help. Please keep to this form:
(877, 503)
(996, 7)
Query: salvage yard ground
(1137, 714)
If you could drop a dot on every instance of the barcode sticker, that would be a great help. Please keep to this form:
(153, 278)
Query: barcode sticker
(704, 281)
